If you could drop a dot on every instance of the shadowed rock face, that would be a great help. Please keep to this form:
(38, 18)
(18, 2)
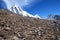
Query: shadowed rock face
(3, 4)
(16, 27)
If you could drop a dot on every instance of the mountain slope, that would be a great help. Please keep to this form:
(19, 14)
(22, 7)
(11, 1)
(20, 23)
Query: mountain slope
(16, 27)
(19, 10)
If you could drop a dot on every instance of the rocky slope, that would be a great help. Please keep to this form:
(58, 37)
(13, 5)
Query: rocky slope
(16, 27)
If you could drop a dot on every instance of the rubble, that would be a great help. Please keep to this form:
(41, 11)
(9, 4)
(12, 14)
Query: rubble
(16, 27)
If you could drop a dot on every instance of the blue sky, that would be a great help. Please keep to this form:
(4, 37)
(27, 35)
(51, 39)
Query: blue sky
(3, 5)
(40, 7)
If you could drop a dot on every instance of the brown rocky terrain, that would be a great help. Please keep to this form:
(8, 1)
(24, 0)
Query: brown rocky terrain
(17, 27)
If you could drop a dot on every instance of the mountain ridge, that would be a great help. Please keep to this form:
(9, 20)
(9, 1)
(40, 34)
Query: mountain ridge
(18, 10)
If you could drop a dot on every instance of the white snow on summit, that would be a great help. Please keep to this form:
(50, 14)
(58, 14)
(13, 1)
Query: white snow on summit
(18, 10)
(37, 16)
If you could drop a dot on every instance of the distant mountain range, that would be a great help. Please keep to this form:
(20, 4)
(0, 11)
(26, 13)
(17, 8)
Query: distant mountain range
(53, 17)
(57, 17)
(20, 11)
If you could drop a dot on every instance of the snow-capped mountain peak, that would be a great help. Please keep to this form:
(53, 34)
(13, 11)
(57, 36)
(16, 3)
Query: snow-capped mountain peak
(18, 10)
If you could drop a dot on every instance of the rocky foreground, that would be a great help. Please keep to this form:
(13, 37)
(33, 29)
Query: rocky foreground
(17, 27)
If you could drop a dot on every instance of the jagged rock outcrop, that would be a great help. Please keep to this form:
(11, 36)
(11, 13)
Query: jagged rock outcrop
(16, 27)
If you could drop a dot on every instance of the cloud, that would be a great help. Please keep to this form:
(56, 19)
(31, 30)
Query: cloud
(29, 1)
(20, 3)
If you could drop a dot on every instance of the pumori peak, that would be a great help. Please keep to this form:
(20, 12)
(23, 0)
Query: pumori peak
(19, 10)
